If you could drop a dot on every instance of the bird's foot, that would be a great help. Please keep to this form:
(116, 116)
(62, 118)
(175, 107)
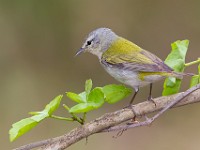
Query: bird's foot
(119, 133)
(133, 120)
(150, 99)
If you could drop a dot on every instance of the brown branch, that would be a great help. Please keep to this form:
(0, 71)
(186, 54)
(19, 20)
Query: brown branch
(150, 120)
(109, 121)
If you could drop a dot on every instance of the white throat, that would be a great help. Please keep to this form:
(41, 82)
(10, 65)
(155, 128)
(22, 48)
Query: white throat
(97, 53)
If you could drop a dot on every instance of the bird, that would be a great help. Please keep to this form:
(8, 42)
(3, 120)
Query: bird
(125, 61)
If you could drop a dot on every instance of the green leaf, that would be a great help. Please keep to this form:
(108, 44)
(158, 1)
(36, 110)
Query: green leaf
(53, 105)
(82, 108)
(199, 69)
(75, 97)
(96, 97)
(114, 93)
(88, 86)
(171, 88)
(21, 127)
(195, 80)
(171, 82)
(94, 101)
(175, 60)
(40, 116)
(83, 96)
(49, 109)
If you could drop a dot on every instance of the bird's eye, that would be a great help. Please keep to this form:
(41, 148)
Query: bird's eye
(89, 42)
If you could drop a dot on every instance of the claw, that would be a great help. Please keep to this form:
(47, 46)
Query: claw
(150, 99)
(119, 133)
(133, 120)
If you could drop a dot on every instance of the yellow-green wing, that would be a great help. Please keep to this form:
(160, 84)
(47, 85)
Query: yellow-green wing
(123, 53)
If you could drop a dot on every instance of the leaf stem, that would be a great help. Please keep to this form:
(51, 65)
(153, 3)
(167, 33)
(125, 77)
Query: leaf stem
(77, 118)
(84, 117)
(193, 62)
(61, 118)
(66, 107)
(74, 117)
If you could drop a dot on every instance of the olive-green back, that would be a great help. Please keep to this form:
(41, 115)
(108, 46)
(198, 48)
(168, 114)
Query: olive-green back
(133, 57)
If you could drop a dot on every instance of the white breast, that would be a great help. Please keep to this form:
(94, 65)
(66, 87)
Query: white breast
(130, 77)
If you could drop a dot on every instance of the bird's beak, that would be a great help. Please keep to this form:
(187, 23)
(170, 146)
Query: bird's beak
(79, 51)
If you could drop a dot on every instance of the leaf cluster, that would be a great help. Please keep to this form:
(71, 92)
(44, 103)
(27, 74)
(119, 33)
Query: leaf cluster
(176, 60)
(86, 101)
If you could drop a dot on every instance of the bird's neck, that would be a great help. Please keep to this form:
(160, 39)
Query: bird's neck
(97, 53)
(105, 45)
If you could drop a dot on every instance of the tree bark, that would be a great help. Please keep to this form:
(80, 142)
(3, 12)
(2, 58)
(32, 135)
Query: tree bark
(110, 121)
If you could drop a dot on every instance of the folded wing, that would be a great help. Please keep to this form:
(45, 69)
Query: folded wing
(133, 58)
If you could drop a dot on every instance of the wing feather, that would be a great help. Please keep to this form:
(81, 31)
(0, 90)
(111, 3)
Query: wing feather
(133, 58)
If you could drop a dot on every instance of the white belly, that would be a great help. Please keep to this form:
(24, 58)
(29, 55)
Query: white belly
(130, 77)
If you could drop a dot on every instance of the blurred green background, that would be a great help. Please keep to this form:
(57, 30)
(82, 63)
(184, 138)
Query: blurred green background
(38, 41)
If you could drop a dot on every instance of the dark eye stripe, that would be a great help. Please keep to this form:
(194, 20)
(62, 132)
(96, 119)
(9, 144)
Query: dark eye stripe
(89, 42)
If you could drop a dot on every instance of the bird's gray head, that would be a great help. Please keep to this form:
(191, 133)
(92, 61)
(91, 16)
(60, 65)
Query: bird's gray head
(98, 41)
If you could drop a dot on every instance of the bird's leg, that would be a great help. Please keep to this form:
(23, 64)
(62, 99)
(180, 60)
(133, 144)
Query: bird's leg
(130, 103)
(136, 91)
(132, 99)
(150, 94)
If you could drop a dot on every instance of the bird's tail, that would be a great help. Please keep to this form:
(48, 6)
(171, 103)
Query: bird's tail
(180, 75)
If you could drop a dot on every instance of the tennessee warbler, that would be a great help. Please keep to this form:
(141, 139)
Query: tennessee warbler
(125, 61)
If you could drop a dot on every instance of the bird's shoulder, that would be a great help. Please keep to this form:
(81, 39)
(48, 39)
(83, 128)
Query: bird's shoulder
(122, 46)
(124, 51)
